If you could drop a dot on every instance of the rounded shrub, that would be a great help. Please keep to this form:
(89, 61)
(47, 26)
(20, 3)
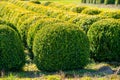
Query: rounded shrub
(104, 37)
(60, 46)
(111, 14)
(47, 3)
(78, 9)
(78, 18)
(12, 56)
(7, 23)
(91, 11)
(24, 27)
(37, 26)
(36, 1)
(86, 22)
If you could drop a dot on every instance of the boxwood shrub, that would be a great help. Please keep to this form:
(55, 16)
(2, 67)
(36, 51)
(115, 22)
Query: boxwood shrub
(78, 9)
(12, 56)
(37, 26)
(47, 3)
(36, 1)
(7, 23)
(86, 22)
(60, 46)
(78, 18)
(91, 11)
(104, 37)
(111, 14)
(24, 27)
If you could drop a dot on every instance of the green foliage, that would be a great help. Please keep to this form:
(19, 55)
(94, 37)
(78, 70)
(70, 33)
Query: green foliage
(60, 46)
(109, 2)
(111, 14)
(36, 1)
(78, 18)
(104, 37)
(20, 17)
(24, 27)
(12, 56)
(7, 23)
(86, 22)
(47, 3)
(37, 26)
(78, 9)
(91, 11)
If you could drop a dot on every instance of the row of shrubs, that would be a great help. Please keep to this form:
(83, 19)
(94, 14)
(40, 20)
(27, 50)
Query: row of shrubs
(101, 1)
(68, 16)
(56, 41)
(12, 55)
(84, 9)
(48, 40)
(20, 17)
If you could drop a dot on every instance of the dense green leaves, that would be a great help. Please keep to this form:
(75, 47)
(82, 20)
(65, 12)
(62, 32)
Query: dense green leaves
(86, 22)
(111, 14)
(91, 11)
(60, 47)
(12, 56)
(37, 26)
(104, 37)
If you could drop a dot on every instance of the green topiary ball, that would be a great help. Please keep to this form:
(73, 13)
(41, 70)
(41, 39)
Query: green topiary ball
(37, 26)
(9, 24)
(60, 46)
(78, 9)
(12, 56)
(36, 1)
(91, 11)
(104, 37)
(86, 22)
(111, 14)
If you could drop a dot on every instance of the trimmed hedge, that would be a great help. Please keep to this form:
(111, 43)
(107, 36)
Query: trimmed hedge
(7, 23)
(64, 44)
(78, 18)
(78, 9)
(48, 11)
(37, 26)
(19, 16)
(104, 37)
(47, 3)
(24, 27)
(86, 22)
(12, 56)
(36, 1)
(111, 14)
(91, 11)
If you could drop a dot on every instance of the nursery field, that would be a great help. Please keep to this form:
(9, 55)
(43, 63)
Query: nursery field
(59, 40)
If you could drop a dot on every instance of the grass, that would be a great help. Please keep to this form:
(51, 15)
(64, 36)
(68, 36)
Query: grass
(30, 72)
